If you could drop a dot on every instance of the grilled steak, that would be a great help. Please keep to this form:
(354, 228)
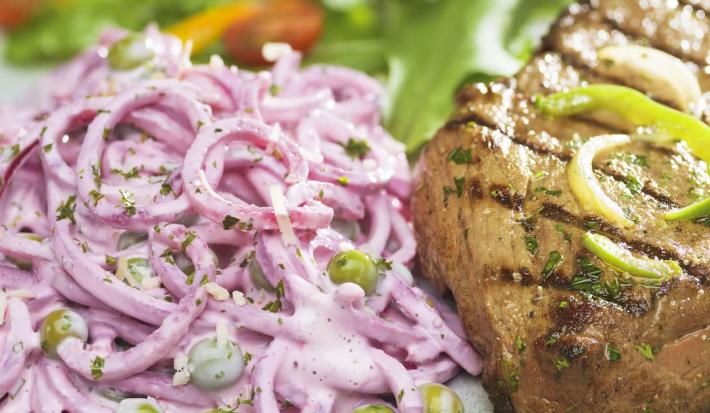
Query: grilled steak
(501, 229)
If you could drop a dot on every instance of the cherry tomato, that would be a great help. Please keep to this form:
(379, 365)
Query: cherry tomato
(296, 22)
(15, 12)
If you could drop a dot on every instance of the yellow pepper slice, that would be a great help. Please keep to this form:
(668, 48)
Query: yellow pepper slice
(585, 184)
(203, 29)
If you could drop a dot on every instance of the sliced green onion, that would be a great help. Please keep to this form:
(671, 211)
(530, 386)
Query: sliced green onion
(635, 108)
(647, 269)
(134, 270)
(584, 183)
(697, 210)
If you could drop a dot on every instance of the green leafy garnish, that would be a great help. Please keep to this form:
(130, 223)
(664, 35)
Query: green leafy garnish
(130, 174)
(97, 366)
(553, 261)
(646, 351)
(460, 156)
(66, 209)
(128, 201)
(229, 222)
(550, 192)
(612, 353)
(356, 149)
(531, 244)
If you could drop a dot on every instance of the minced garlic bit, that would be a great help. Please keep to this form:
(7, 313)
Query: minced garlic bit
(273, 51)
(239, 298)
(217, 292)
(182, 372)
(150, 283)
(282, 219)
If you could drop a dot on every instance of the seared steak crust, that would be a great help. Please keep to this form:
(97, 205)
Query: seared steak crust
(502, 230)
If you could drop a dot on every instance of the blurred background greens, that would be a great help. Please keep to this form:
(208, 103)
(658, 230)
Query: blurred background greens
(423, 50)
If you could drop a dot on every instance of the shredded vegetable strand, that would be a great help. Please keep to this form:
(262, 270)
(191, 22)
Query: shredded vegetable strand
(186, 216)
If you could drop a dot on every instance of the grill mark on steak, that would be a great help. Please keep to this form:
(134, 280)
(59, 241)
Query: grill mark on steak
(511, 201)
(477, 119)
(506, 197)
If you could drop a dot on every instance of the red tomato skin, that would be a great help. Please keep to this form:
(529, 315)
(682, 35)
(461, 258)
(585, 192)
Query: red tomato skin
(296, 22)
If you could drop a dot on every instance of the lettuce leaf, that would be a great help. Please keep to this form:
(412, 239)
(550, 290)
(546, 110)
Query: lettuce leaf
(432, 47)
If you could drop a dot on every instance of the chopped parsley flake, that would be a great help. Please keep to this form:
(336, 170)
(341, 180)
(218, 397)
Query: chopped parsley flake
(646, 351)
(519, 344)
(561, 229)
(553, 261)
(280, 290)
(229, 222)
(383, 265)
(133, 173)
(612, 353)
(343, 180)
(531, 244)
(96, 171)
(165, 189)
(633, 185)
(460, 156)
(552, 339)
(550, 192)
(97, 366)
(189, 237)
(66, 209)
(96, 196)
(562, 363)
(459, 182)
(129, 203)
(167, 255)
(14, 150)
(110, 260)
(356, 149)
(588, 280)
(47, 148)
(273, 306)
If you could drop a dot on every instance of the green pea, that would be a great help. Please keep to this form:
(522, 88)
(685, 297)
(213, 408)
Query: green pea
(355, 267)
(258, 277)
(148, 405)
(213, 365)
(129, 52)
(373, 408)
(57, 326)
(438, 398)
